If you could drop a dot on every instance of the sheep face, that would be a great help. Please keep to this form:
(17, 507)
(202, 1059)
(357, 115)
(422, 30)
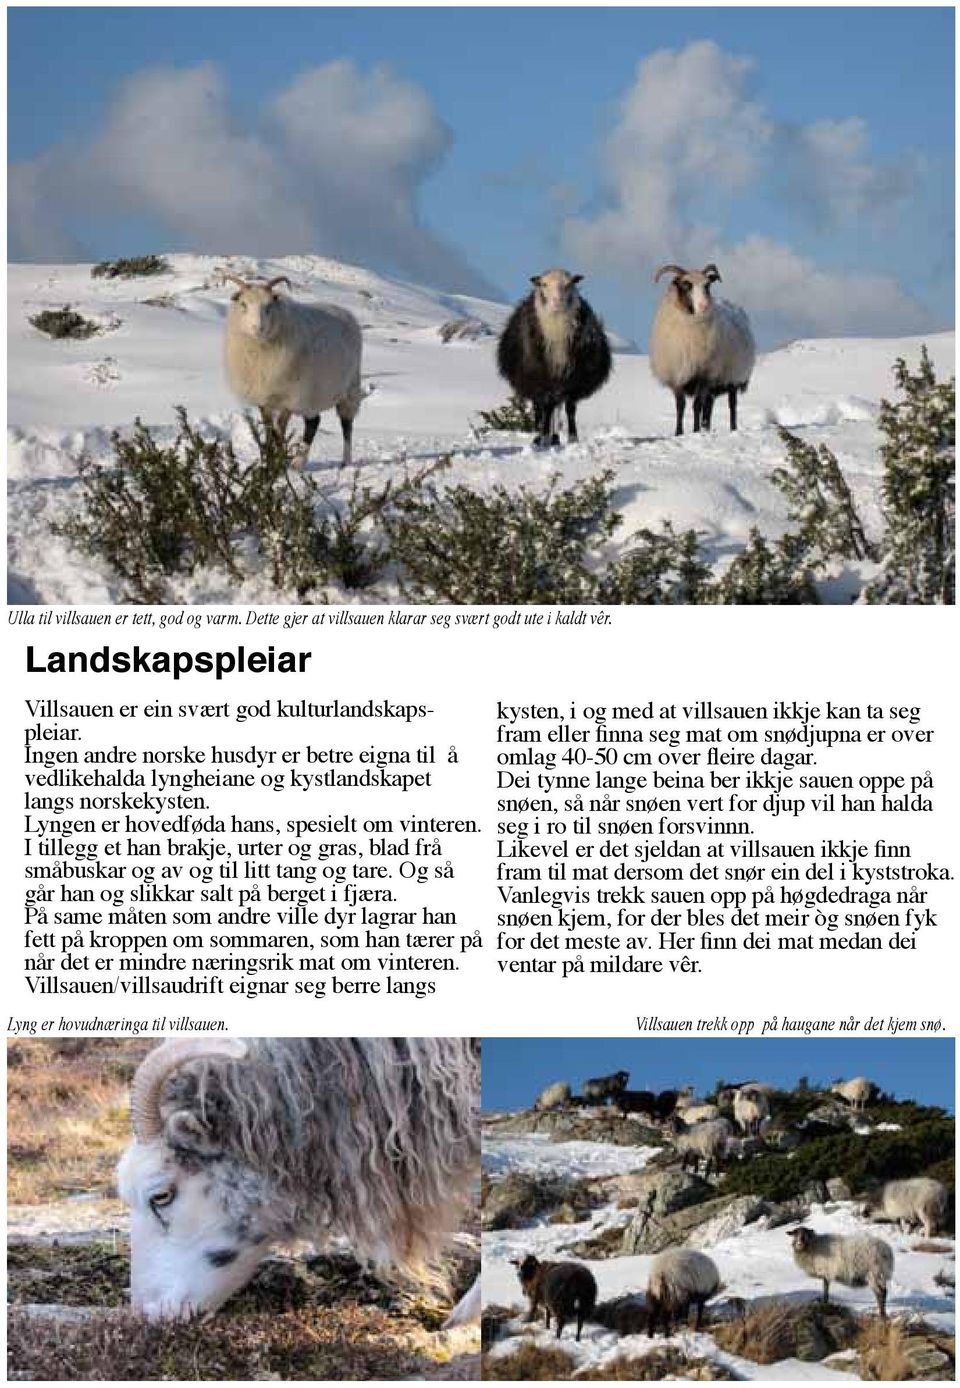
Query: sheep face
(801, 1238)
(195, 1223)
(555, 291)
(256, 312)
(691, 288)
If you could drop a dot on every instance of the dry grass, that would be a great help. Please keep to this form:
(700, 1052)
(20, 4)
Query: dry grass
(894, 1352)
(67, 1115)
(785, 1330)
(659, 1364)
(528, 1363)
(357, 1342)
(931, 1246)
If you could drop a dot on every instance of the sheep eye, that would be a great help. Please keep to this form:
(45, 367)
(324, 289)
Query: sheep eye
(162, 1199)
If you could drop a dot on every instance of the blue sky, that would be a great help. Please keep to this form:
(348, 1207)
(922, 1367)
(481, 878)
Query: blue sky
(809, 151)
(515, 1070)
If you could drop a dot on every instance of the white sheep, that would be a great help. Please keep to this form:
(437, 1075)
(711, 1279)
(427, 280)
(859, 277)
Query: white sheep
(854, 1260)
(750, 1108)
(707, 1141)
(920, 1201)
(679, 1278)
(554, 1096)
(700, 346)
(289, 358)
(857, 1092)
(700, 1113)
(685, 1098)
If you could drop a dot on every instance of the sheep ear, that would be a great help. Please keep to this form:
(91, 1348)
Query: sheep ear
(575, 279)
(535, 279)
(187, 1132)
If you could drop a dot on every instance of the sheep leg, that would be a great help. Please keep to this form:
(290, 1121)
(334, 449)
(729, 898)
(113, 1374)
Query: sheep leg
(560, 1324)
(572, 421)
(697, 412)
(732, 397)
(706, 409)
(346, 428)
(541, 423)
(555, 442)
(826, 1291)
(310, 427)
(681, 400)
(579, 1323)
(881, 1295)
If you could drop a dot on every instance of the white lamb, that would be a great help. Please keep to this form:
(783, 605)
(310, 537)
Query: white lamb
(289, 358)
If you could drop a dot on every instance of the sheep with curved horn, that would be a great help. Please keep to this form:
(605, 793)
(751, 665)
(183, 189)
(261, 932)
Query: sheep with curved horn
(240, 1145)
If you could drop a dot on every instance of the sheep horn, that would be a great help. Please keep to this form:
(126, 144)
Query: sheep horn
(672, 269)
(279, 279)
(227, 275)
(155, 1068)
(711, 272)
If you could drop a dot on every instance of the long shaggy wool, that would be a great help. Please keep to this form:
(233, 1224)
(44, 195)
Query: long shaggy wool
(376, 1140)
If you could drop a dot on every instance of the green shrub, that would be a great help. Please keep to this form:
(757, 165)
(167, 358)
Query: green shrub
(660, 568)
(130, 267)
(65, 322)
(462, 546)
(919, 490)
(515, 417)
(860, 1160)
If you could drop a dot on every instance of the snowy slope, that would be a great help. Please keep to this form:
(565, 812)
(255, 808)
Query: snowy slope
(65, 397)
(755, 1264)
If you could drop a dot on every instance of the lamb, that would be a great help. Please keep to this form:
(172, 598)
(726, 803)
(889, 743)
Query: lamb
(854, 1260)
(679, 1278)
(706, 1141)
(750, 1108)
(857, 1093)
(289, 358)
(554, 1096)
(554, 351)
(562, 1289)
(700, 346)
(920, 1201)
(605, 1087)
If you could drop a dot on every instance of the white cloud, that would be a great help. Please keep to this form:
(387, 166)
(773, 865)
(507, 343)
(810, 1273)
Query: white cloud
(690, 137)
(334, 165)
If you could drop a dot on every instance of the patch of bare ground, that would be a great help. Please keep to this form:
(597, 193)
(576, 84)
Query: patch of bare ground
(67, 1115)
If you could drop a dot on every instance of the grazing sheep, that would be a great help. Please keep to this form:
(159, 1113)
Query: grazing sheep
(554, 1096)
(679, 1278)
(604, 1087)
(637, 1101)
(750, 1109)
(854, 1260)
(704, 1141)
(700, 346)
(290, 358)
(554, 351)
(920, 1201)
(563, 1289)
(857, 1093)
(241, 1145)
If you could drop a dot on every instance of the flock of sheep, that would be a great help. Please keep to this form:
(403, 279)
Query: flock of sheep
(290, 358)
(683, 1279)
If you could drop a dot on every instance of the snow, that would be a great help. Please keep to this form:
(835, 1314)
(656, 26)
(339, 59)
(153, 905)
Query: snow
(755, 1264)
(64, 398)
(537, 1154)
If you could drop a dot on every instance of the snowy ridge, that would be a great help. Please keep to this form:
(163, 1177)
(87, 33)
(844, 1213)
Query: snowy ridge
(163, 345)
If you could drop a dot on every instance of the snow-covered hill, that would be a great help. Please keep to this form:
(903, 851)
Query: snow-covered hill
(755, 1264)
(162, 348)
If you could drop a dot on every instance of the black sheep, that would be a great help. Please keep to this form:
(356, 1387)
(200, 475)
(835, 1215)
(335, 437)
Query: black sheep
(562, 1289)
(637, 1101)
(554, 351)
